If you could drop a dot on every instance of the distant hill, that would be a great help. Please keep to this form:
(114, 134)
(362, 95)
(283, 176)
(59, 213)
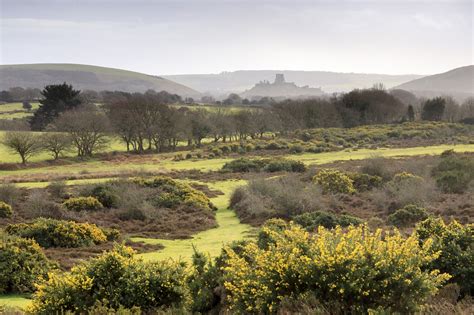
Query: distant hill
(458, 83)
(86, 77)
(239, 81)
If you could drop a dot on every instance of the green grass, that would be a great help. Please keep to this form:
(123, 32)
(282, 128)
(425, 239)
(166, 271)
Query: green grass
(211, 241)
(14, 301)
(8, 111)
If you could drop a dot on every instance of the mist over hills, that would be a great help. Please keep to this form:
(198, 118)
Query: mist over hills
(87, 77)
(458, 83)
(329, 82)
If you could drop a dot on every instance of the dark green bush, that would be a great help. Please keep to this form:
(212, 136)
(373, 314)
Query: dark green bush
(456, 244)
(59, 233)
(105, 195)
(454, 173)
(6, 210)
(365, 182)
(296, 149)
(311, 220)
(244, 165)
(22, 264)
(82, 204)
(278, 165)
(117, 279)
(408, 215)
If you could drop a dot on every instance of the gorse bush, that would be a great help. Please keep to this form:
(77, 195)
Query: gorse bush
(59, 233)
(406, 188)
(408, 215)
(22, 263)
(454, 173)
(312, 220)
(6, 210)
(356, 270)
(456, 245)
(105, 195)
(117, 280)
(173, 193)
(82, 204)
(333, 181)
(244, 165)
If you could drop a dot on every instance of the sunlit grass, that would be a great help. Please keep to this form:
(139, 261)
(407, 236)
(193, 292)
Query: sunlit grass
(15, 301)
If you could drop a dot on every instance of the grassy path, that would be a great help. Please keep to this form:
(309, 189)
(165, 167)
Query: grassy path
(210, 241)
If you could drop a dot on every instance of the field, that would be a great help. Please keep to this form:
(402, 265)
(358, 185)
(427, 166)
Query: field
(15, 110)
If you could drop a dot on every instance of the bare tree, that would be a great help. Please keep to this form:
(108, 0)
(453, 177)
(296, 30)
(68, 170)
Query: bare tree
(22, 142)
(87, 128)
(56, 143)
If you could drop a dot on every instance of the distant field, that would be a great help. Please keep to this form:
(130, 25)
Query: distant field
(16, 110)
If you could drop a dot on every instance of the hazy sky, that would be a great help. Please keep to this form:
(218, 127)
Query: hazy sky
(198, 36)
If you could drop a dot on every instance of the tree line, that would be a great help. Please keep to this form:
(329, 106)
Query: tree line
(151, 121)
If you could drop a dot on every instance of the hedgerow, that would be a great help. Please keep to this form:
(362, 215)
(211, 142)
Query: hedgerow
(22, 263)
(59, 233)
(117, 280)
(357, 270)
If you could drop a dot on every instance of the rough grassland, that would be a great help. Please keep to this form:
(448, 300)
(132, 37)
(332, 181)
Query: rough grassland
(14, 300)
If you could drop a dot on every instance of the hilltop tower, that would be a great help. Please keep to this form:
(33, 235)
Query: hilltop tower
(279, 78)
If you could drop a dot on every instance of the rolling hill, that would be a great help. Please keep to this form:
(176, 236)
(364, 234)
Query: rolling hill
(239, 81)
(86, 77)
(458, 83)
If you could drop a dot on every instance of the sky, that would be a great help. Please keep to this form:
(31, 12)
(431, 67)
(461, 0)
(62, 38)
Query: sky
(199, 36)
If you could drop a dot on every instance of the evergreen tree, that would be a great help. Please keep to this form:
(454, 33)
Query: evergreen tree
(56, 99)
(433, 109)
(411, 113)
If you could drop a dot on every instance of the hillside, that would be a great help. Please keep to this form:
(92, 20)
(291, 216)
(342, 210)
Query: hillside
(239, 81)
(458, 82)
(86, 77)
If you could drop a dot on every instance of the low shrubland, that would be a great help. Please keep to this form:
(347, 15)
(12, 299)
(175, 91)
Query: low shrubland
(59, 233)
(22, 264)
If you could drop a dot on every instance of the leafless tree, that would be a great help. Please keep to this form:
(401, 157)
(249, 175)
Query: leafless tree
(22, 142)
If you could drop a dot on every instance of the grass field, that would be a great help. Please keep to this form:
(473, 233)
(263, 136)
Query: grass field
(14, 301)
(15, 110)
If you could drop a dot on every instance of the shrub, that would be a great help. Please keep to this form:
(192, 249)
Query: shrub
(377, 166)
(356, 270)
(178, 157)
(59, 233)
(6, 210)
(456, 244)
(296, 149)
(365, 182)
(312, 220)
(9, 193)
(244, 165)
(57, 189)
(189, 156)
(202, 281)
(106, 195)
(38, 205)
(117, 279)
(334, 181)
(82, 204)
(173, 193)
(408, 215)
(406, 188)
(22, 263)
(454, 173)
(278, 165)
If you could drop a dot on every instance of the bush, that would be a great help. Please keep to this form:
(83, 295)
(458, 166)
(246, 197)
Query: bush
(38, 205)
(202, 281)
(9, 193)
(334, 181)
(296, 149)
(6, 210)
(244, 165)
(116, 279)
(82, 204)
(105, 195)
(454, 173)
(173, 193)
(312, 220)
(406, 188)
(22, 263)
(278, 165)
(59, 233)
(456, 244)
(57, 189)
(408, 215)
(356, 270)
(365, 182)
